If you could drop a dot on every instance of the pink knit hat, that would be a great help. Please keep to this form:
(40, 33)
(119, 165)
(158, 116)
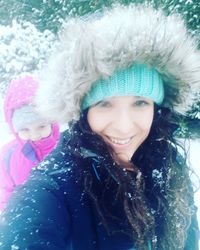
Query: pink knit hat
(20, 93)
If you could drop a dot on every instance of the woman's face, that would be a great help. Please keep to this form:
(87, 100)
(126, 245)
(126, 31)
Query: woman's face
(123, 123)
(35, 131)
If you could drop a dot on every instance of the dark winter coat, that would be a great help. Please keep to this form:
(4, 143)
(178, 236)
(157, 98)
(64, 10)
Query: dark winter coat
(52, 211)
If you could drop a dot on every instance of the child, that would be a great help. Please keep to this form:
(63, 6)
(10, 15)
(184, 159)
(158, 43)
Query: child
(116, 180)
(34, 139)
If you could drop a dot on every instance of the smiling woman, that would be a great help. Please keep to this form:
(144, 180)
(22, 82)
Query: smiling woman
(118, 114)
(116, 180)
(123, 123)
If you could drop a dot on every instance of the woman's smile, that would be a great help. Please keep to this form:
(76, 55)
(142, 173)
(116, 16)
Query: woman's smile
(119, 142)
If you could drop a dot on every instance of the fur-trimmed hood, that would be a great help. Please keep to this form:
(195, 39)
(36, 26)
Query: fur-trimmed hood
(94, 47)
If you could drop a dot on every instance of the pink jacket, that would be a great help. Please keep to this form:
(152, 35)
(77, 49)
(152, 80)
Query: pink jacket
(18, 157)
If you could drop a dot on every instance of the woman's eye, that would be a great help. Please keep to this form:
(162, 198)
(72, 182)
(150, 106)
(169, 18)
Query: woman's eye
(141, 103)
(103, 104)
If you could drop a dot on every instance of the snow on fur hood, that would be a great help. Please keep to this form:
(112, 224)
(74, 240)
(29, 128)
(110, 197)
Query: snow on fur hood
(94, 47)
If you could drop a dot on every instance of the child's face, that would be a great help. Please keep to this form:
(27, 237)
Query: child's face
(123, 122)
(35, 131)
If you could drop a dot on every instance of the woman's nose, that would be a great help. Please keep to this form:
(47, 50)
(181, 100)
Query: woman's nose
(124, 122)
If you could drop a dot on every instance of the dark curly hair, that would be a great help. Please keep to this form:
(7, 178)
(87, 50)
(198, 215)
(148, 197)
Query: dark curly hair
(156, 196)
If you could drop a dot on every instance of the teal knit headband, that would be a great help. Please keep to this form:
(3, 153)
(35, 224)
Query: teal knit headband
(137, 80)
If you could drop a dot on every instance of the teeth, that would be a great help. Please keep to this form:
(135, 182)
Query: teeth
(121, 142)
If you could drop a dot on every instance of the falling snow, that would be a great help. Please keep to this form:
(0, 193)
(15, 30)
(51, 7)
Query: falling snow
(24, 48)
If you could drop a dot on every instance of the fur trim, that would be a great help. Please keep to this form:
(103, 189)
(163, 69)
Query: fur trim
(94, 48)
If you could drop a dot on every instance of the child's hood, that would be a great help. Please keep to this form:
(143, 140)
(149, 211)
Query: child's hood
(20, 92)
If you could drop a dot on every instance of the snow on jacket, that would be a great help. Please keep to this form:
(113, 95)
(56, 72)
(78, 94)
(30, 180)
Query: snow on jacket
(70, 220)
(18, 157)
